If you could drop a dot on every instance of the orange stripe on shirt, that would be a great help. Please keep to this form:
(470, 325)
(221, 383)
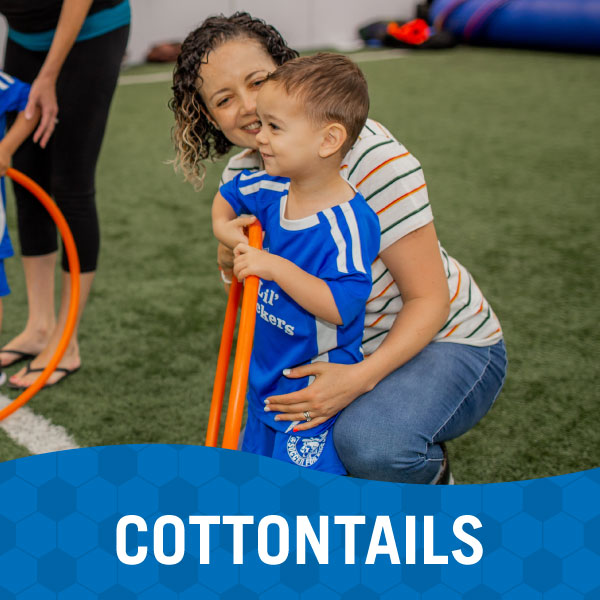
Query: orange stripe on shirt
(494, 333)
(376, 321)
(389, 160)
(480, 308)
(458, 286)
(343, 167)
(401, 198)
(451, 331)
(387, 135)
(387, 287)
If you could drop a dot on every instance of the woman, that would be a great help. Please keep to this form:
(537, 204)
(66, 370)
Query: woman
(434, 356)
(71, 51)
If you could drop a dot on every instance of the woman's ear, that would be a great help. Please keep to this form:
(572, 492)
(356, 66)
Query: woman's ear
(334, 136)
(209, 118)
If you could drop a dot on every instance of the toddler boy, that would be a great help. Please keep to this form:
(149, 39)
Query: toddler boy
(320, 240)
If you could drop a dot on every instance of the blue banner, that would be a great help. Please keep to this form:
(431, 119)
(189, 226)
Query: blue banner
(180, 522)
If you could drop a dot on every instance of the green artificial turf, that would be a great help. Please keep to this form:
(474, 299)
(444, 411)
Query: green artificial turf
(10, 449)
(508, 142)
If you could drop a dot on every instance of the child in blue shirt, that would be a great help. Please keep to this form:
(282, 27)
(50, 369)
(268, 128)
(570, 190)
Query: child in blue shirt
(13, 98)
(320, 240)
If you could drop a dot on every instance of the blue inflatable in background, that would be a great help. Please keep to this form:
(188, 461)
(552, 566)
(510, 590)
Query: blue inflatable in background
(549, 24)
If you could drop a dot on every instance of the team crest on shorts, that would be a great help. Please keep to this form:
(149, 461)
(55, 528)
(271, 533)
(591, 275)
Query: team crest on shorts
(304, 451)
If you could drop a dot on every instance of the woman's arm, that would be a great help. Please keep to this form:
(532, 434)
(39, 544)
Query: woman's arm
(43, 89)
(227, 227)
(416, 266)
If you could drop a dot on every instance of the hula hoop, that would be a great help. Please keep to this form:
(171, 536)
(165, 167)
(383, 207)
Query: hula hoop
(73, 261)
(241, 365)
(216, 405)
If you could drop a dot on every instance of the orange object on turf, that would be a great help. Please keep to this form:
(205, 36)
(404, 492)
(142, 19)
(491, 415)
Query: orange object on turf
(241, 365)
(414, 32)
(73, 260)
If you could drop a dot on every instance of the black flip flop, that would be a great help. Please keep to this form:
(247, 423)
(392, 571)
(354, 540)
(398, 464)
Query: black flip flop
(21, 356)
(29, 369)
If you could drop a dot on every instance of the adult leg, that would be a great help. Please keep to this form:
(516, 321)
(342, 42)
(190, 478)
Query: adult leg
(393, 433)
(85, 89)
(37, 232)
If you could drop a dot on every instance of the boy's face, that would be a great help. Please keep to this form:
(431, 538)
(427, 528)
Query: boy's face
(288, 141)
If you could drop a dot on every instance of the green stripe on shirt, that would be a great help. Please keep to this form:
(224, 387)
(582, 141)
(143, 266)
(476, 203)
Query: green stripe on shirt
(414, 212)
(392, 181)
(367, 152)
(378, 278)
(375, 336)
(458, 311)
(447, 263)
(387, 303)
(489, 314)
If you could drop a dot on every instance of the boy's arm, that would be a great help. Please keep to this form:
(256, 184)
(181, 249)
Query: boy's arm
(15, 136)
(310, 292)
(228, 228)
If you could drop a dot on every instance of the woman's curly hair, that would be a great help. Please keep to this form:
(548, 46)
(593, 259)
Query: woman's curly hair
(195, 137)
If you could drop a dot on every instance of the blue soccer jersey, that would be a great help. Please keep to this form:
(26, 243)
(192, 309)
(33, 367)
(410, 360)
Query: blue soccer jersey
(13, 97)
(337, 245)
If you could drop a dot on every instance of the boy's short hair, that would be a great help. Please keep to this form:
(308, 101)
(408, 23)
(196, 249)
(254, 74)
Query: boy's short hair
(331, 88)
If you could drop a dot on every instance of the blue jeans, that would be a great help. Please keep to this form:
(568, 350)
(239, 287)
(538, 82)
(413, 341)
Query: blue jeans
(392, 433)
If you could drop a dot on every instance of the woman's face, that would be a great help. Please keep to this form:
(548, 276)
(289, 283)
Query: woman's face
(230, 82)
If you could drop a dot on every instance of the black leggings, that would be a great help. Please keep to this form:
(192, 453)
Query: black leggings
(66, 167)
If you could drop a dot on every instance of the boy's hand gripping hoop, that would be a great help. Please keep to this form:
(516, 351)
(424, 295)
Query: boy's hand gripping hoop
(241, 365)
(73, 261)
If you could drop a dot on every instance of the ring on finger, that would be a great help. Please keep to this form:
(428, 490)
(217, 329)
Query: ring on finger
(307, 416)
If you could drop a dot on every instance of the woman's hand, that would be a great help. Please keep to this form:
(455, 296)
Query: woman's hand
(231, 232)
(43, 96)
(335, 387)
(225, 258)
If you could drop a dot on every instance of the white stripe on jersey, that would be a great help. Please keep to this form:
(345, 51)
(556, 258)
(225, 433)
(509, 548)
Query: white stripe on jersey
(338, 238)
(243, 176)
(353, 227)
(276, 186)
(3, 86)
(326, 337)
(6, 77)
(321, 358)
(295, 224)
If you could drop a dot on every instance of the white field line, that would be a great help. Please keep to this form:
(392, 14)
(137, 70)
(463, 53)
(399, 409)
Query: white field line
(34, 432)
(362, 57)
(146, 78)
(359, 57)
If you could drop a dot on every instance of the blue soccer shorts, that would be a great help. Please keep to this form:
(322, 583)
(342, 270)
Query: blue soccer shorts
(4, 287)
(303, 448)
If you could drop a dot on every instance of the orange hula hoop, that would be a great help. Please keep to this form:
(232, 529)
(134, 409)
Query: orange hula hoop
(73, 260)
(241, 365)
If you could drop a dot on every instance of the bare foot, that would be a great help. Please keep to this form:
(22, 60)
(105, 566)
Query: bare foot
(27, 343)
(70, 361)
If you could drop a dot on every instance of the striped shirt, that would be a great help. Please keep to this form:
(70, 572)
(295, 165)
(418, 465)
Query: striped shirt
(392, 181)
